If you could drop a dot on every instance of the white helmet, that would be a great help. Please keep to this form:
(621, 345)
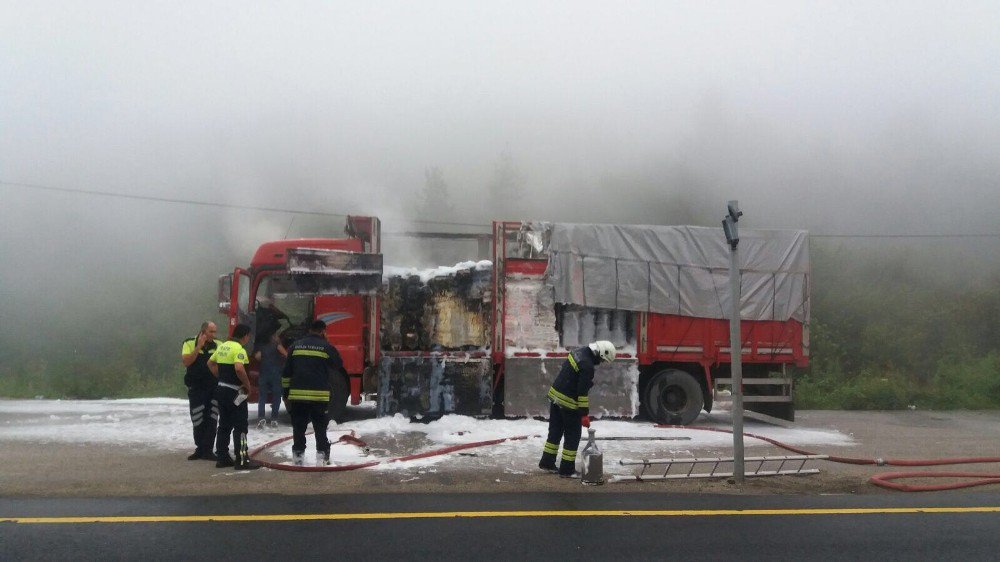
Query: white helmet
(604, 349)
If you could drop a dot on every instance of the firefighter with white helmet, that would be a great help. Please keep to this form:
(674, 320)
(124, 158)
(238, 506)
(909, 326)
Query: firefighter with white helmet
(569, 412)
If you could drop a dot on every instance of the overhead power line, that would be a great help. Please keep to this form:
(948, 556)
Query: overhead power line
(446, 223)
(210, 203)
(967, 235)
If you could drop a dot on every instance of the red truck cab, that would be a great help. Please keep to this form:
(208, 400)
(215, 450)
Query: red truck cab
(291, 283)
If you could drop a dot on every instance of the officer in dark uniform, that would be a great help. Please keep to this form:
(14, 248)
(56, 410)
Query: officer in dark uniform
(569, 412)
(200, 383)
(230, 400)
(306, 386)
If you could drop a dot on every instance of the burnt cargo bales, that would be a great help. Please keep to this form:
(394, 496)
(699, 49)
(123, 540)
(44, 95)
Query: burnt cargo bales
(443, 309)
(435, 333)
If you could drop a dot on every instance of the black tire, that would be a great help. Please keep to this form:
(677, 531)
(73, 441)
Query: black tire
(673, 397)
(339, 393)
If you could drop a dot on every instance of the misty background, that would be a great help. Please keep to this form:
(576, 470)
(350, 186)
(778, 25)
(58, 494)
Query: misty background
(853, 120)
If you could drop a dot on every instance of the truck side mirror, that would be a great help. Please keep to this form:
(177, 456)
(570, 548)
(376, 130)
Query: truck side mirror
(225, 293)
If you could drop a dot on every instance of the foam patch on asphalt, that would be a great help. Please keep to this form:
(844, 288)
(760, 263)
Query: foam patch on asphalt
(164, 424)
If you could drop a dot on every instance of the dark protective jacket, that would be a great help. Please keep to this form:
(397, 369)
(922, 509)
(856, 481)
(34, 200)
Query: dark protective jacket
(307, 369)
(570, 389)
(198, 374)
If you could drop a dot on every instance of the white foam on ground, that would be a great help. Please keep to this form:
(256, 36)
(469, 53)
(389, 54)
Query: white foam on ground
(164, 424)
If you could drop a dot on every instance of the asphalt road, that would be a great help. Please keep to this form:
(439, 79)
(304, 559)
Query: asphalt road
(581, 526)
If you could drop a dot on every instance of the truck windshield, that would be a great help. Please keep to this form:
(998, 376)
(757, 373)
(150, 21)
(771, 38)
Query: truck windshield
(281, 306)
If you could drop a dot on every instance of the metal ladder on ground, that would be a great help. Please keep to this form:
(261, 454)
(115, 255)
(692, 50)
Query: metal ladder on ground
(765, 466)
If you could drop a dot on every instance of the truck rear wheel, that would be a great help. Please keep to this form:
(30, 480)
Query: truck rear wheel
(673, 397)
(339, 392)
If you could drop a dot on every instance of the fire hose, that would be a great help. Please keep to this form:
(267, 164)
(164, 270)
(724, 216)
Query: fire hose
(352, 439)
(887, 479)
(884, 480)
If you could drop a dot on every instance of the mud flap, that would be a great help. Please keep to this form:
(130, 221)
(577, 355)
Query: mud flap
(527, 380)
(432, 386)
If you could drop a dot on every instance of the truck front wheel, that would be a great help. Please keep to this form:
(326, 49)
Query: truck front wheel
(673, 397)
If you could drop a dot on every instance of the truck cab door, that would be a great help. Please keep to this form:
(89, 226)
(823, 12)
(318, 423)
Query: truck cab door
(234, 297)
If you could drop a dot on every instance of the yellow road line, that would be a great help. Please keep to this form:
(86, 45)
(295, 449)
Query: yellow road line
(479, 514)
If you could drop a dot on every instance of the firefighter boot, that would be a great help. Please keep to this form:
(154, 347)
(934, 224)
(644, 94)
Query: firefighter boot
(243, 460)
(224, 460)
(297, 457)
(567, 466)
(548, 461)
(322, 458)
(247, 464)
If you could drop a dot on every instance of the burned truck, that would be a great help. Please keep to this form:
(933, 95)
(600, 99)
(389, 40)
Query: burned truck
(487, 337)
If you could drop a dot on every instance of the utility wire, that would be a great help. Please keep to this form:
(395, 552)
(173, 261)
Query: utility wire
(985, 235)
(209, 203)
(325, 214)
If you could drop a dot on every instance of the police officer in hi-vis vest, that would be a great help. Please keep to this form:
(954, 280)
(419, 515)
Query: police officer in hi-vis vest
(200, 383)
(229, 364)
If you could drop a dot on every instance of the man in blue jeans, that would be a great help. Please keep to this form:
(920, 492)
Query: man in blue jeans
(271, 356)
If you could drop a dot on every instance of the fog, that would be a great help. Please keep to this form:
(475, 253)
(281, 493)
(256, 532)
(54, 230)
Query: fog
(840, 118)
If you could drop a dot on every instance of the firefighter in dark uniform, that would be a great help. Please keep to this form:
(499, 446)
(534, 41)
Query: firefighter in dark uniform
(306, 386)
(229, 364)
(569, 412)
(200, 383)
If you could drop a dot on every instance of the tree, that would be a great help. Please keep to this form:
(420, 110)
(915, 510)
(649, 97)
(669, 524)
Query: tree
(506, 189)
(435, 201)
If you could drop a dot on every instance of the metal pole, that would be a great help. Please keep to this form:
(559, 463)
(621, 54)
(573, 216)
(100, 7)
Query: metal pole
(735, 342)
(736, 361)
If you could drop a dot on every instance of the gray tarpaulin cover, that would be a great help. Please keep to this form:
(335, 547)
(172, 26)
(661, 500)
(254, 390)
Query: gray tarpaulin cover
(677, 269)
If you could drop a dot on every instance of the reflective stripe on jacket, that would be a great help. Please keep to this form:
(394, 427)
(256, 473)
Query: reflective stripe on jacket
(307, 370)
(572, 385)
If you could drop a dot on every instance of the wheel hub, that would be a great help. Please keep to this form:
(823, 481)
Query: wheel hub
(673, 398)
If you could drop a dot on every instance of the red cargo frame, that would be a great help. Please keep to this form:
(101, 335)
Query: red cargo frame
(662, 340)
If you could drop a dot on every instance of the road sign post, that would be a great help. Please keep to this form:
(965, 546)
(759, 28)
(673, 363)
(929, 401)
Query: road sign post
(731, 229)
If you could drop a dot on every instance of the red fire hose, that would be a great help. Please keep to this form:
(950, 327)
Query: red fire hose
(886, 480)
(352, 439)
